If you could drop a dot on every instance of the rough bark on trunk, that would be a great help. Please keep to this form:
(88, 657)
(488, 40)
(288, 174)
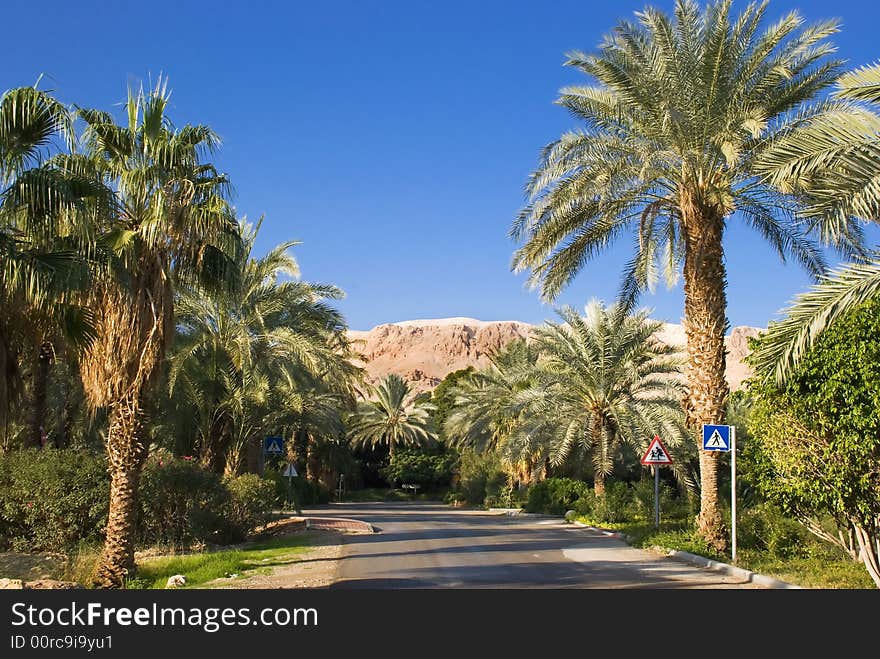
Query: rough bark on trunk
(39, 387)
(213, 455)
(301, 454)
(599, 475)
(313, 462)
(705, 323)
(126, 452)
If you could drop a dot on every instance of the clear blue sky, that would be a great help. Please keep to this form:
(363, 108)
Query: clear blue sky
(392, 138)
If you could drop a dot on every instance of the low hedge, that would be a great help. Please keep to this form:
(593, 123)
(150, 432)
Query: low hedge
(55, 500)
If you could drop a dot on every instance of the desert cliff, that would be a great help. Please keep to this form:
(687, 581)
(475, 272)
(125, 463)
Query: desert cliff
(425, 351)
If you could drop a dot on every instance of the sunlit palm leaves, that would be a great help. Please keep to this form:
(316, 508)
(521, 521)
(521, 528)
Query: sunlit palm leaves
(391, 417)
(834, 162)
(579, 388)
(485, 413)
(48, 220)
(785, 342)
(261, 351)
(684, 103)
(603, 379)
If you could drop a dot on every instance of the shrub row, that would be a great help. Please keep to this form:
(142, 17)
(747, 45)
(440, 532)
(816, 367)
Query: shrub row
(53, 500)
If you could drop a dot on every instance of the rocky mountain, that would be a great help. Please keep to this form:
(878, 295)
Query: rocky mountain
(425, 351)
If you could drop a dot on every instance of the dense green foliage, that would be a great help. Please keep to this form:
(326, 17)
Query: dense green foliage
(443, 399)
(55, 500)
(52, 500)
(481, 479)
(429, 470)
(183, 504)
(555, 496)
(816, 442)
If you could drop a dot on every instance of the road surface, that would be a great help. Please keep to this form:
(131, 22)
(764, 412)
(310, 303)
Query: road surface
(423, 545)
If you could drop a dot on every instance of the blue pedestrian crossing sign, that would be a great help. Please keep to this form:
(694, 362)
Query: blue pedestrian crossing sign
(273, 446)
(716, 438)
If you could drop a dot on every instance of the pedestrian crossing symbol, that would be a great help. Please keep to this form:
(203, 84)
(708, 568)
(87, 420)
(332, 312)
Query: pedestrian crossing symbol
(716, 438)
(274, 446)
(656, 454)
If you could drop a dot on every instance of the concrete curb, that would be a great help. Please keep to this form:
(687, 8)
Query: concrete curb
(742, 573)
(702, 561)
(335, 523)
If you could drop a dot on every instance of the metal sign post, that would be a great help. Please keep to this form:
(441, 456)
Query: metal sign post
(656, 497)
(290, 472)
(655, 457)
(723, 438)
(733, 493)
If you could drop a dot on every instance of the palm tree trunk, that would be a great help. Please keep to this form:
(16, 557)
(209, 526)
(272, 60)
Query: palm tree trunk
(599, 475)
(313, 463)
(213, 456)
(126, 451)
(301, 454)
(39, 386)
(705, 323)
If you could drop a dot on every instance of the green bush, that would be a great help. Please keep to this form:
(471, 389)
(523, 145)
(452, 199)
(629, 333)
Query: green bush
(641, 502)
(555, 496)
(57, 500)
(429, 470)
(617, 504)
(181, 503)
(52, 499)
(306, 492)
(480, 478)
(251, 500)
(765, 528)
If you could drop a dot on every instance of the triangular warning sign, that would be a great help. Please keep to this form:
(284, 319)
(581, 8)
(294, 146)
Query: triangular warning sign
(656, 454)
(716, 441)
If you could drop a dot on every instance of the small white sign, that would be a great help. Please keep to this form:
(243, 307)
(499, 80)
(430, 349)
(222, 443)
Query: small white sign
(290, 471)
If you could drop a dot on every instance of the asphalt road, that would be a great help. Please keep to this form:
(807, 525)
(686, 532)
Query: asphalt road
(422, 545)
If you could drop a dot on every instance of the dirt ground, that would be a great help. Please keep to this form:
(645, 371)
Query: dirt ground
(316, 569)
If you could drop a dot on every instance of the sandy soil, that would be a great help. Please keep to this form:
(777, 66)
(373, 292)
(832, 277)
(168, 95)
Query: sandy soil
(316, 569)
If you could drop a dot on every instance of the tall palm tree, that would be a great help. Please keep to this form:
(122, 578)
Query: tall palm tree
(392, 418)
(602, 380)
(173, 225)
(682, 109)
(261, 339)
(834, 162)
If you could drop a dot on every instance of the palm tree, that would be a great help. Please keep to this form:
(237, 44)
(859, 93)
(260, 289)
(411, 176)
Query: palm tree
(47, 217)
(834, 162)
(173, 225)
(240, 349)
(392, 418)
(683, 109)
(485, 413)
(602, 380)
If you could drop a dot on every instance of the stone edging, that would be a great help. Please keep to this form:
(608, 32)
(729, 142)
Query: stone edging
(339, 524)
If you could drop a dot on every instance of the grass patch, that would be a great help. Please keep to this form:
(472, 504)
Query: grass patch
(809, 572)
(825, 572)
(259, 557)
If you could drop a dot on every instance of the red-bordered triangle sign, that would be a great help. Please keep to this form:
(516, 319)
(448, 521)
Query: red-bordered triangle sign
(656, 454)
